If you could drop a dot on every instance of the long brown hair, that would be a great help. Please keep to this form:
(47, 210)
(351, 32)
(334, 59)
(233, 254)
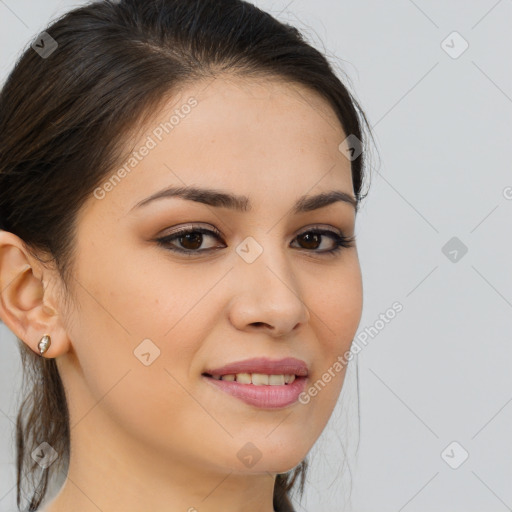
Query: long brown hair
(64, 117)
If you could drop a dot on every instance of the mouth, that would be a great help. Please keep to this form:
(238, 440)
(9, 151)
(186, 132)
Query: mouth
(260, 382)
(257, 379)
(260, 390)
(264, 371)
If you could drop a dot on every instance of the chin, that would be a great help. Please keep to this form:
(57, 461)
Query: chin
(278, 463)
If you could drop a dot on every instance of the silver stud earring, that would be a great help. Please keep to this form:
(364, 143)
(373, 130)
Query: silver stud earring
(44, 344)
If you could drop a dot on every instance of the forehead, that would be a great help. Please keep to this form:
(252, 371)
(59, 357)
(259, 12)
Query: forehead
(264, 138)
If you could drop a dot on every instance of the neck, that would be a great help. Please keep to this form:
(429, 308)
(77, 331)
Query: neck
(109, 471)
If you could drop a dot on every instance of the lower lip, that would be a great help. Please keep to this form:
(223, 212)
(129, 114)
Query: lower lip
(264, 396)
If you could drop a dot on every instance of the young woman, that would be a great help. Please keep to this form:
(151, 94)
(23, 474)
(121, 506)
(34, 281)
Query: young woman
(179, 182)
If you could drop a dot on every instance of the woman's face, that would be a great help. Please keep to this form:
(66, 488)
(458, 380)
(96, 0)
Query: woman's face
(258, 284)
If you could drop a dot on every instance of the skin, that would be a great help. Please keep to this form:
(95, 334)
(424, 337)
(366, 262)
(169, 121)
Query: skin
(158, 437)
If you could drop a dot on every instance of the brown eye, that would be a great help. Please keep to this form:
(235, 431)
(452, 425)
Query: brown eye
(188, 240)
(191, 241)
(310, 240)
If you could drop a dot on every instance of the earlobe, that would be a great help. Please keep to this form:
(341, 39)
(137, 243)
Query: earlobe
(24, 302)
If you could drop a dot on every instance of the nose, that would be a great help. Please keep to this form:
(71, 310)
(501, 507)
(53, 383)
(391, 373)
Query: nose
(267, 296)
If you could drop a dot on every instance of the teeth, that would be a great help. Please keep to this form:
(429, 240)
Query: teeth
(243, 378)
(258, 379)
(276, 380)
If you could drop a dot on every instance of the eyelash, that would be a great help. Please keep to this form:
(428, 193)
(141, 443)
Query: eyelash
(340, 241)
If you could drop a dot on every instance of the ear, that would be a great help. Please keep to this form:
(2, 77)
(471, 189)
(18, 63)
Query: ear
(27, 307)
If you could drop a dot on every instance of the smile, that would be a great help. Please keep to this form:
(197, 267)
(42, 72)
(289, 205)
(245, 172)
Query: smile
(258, 379)
(249, 388)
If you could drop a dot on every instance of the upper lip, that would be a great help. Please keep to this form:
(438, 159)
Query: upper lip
(286, 366)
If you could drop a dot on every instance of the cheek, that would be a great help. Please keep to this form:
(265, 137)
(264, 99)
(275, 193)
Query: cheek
(145, 314)
(144, 394)
(337, 306)
(131, 299)
(335, 316)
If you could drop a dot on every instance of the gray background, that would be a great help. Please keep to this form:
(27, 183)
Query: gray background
(440, 371)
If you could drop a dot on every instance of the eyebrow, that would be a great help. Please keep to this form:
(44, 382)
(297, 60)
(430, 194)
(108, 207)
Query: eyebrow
(221, 199)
